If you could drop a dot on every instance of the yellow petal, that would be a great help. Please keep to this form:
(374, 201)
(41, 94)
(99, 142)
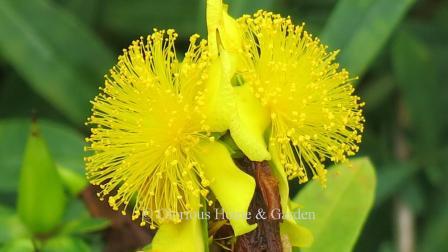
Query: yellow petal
(220, 98)
(232, 187)
(229, 63)
(229, 32)
(298, 235)
(223, 30)
(185, 236)
(214, 17)
(249, 125)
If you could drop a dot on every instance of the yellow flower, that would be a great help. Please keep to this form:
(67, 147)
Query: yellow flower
(151, 142)
(294, 103)
(295, 107)
(313, 113)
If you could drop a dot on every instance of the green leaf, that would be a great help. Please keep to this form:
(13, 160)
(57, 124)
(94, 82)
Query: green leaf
(11, 226)
(342, 208)
(84, 226)
(66, 244)
(360, 28)
(72, 181)
(65, 146)
(391, 178)
(12, 143)
(77, 220)
(19, 245)
(41, 198)
(76, 210)
(60, 58)
(86, 11)
(416, 75)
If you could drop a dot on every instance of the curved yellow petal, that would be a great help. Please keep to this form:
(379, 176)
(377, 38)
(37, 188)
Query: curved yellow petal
(232, 187)
(222, 29)
(229, 32)
(220, 98)
(214, 17)
(229, 63)
(298, 235)
(185, 236)
(249, 124)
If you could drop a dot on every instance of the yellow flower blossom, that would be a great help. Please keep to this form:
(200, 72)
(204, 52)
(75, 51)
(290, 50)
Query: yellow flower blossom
(152, 151)
(295, 107)
(293, 101)
(313, 113)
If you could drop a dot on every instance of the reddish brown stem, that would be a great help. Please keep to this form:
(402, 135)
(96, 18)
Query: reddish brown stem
(266, 237)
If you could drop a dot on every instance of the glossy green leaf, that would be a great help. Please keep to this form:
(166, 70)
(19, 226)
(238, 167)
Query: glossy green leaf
(41, 197)
(65, 146)
(11, 226)
(84, 226)
(58, 56)
(72, 181)
(13, 137)
(360, 28)
(75, 210)
(414, 68)
(77, 220)
(86, 11)
(342, 208)
(66, 244)
(19, 245)
(391, 178)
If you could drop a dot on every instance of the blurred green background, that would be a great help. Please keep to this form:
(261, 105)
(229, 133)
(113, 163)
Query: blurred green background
(54, 54)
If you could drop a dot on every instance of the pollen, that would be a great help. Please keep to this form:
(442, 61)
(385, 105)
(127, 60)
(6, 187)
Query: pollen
(315, 115)
(146, 123)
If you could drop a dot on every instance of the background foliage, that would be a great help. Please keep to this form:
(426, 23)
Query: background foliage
(54, 53)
